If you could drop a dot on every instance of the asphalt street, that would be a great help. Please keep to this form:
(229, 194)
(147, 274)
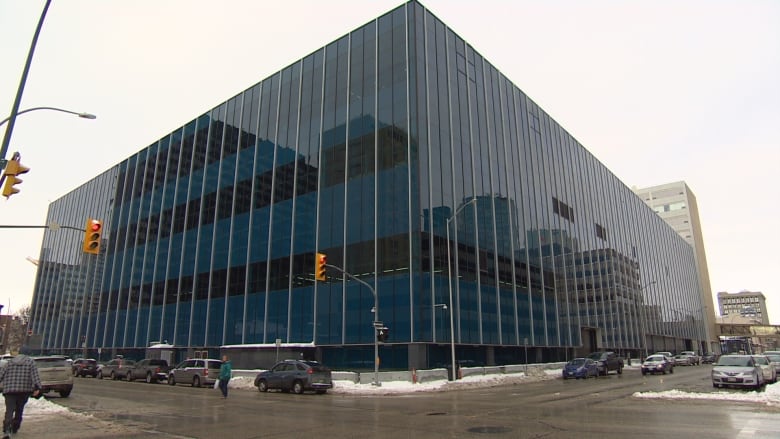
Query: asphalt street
(594, 408)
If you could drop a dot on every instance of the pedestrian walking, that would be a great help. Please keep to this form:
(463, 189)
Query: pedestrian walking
(225, 373)
(19, 379)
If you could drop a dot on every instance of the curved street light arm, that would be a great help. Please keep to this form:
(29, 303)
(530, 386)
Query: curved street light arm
(82, 115)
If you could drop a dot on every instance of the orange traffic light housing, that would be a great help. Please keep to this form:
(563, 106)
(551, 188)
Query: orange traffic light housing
(12, 171)
(320, 273)
(92, 236)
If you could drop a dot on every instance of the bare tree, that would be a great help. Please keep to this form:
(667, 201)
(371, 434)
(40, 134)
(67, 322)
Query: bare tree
(16, 330)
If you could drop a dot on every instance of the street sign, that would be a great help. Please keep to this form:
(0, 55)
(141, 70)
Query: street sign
(379, 325)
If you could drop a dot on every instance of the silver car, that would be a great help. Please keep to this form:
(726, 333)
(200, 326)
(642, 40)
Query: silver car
(767, 368)
(774, 358)
(115, 369)
(737, 370)
(56, 374)
(196, 372)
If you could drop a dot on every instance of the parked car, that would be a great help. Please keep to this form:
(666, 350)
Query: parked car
(195, 371)
(152, 370)
(767, 368)
(56, 374)
(709, 358)
(607, 361)
(4, 359)
(295, 375)
(668, 355)
(580, 368)
(116, 369)
(694, 358)
(737, 370)
(83, 367)
(657, 363)
(682, 360)
(774, 358)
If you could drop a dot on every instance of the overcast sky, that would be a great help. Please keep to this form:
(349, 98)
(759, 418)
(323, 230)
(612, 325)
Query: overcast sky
(659, 91)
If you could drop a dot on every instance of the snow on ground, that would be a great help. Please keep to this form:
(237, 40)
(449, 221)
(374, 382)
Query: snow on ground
(770, 395)
(345, 387)
(38, 407)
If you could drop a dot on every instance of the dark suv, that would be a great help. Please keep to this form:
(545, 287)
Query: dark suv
(83, 367)
(295, 375)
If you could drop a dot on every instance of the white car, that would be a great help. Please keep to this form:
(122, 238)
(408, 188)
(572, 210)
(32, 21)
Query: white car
(767, 368)
(56, 374)
(737, 370)
(694, 358)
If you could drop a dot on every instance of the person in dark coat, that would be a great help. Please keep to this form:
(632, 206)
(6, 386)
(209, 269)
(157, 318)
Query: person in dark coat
(19, 379)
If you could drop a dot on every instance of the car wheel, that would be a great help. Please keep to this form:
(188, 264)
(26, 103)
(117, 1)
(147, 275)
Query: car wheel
(297, 387)
(196, 381)
(113, 375)
(171, 380)
(149, 379)
(64, 393)
(262, 386)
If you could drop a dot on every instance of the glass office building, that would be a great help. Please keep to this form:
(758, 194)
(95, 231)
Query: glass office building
(418, 168)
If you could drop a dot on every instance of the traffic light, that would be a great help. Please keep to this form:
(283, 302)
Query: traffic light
(381, 334)
(321, 259)
(12, 170)
(92, 236)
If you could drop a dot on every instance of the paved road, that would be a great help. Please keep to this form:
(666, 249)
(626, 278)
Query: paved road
(595, 408)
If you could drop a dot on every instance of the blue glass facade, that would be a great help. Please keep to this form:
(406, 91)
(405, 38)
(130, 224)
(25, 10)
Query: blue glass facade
(375, 150)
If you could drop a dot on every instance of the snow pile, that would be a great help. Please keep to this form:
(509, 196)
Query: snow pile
(242, 382)
(769, 396)
(468, 382)
(38, 407)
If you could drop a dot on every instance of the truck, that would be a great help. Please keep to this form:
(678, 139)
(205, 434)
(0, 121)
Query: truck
(607, 361)
(152, 370)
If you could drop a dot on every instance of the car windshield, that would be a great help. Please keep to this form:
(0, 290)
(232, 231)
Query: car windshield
(655, 358)
(774, 358)
(577, 362)
(50, 362)
(734, 361)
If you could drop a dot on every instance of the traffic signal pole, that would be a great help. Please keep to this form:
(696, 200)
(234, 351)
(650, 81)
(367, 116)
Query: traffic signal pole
(50, 226)
(376, 324)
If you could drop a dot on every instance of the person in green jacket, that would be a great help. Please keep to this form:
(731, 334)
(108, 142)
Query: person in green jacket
(225, 373)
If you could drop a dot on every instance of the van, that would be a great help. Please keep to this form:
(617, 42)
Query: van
(196, 372)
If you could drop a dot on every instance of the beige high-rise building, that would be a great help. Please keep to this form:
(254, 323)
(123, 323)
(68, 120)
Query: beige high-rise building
(676, 204)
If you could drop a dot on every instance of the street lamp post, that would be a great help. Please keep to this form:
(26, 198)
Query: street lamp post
(443, 306)
(644, 318)
(25, 72)
(82, 115)
(449, 280)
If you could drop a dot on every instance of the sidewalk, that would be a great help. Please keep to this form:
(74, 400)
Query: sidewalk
(43, 418)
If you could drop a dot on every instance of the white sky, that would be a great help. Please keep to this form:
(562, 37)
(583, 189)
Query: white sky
(658, 91)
